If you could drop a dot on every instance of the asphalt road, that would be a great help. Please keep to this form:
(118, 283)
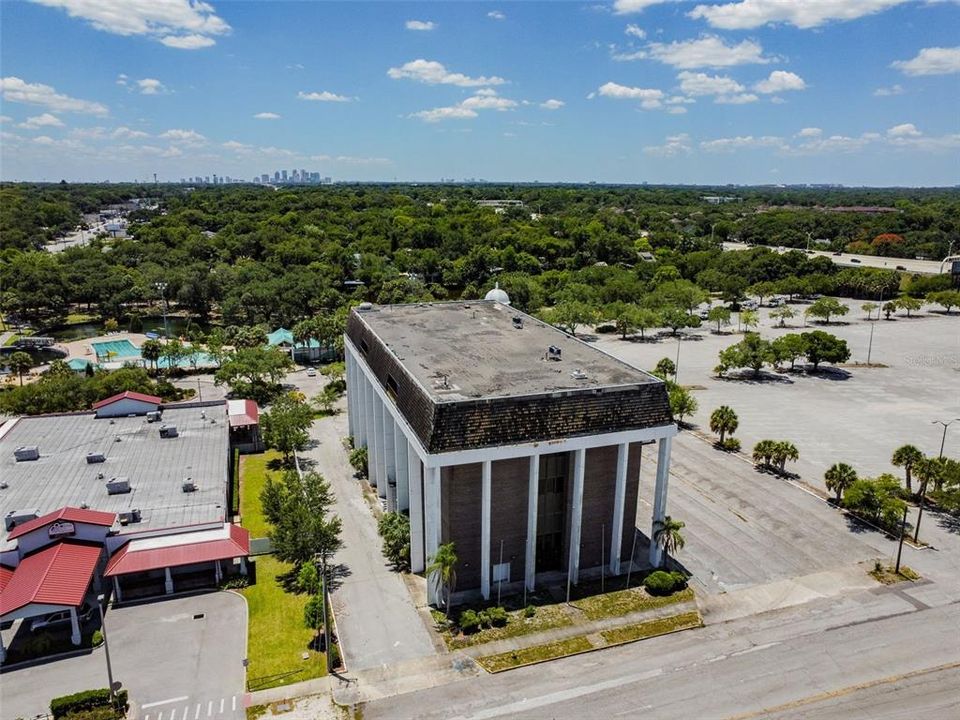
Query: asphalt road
(923, 267)
(175, 666)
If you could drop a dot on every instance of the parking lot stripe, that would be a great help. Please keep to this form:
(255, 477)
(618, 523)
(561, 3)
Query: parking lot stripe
(210, 708)
(234, 703)
(186, 710)
(222, 700)
(196, 715)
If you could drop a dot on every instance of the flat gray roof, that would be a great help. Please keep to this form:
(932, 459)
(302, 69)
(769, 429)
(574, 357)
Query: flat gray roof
(155, 467)
(476, 349)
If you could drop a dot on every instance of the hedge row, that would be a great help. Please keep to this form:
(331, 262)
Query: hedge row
(84, 701)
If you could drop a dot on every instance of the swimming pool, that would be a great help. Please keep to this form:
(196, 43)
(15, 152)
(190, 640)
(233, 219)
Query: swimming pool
(115, 349)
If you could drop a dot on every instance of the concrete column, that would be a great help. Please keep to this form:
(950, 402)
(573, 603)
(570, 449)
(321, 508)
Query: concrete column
(415, 481)
(3, 651)
(380, 474)
(116, 589)
(351, 395)
(243, 566)
(660, 498)
(389, 460)
(167, 581)
(533, 493)
(216, 572)
(619, 499)
(74, 627)
(360, 440)
(431, 524)
(576, 516)
(403, 481)
(485, 489)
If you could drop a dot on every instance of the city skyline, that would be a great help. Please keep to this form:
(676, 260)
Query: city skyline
(633, 91)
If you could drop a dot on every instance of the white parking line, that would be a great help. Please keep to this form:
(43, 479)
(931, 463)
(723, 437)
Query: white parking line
(222, 700)
(196, 715)
(234, 703)
(186, 709)
(210, 708)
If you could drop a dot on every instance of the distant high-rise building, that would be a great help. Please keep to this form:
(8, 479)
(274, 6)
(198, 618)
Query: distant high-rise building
(276, 176)
(206, 179)
(265, 178)
(214, 178)
(182, 180)
(303, 175)
(283, 175)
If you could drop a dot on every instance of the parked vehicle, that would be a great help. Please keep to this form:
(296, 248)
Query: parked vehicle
(776, 301)
(311, 372)
(855, 260)
(61, 617)
(901, 267)
(838, 253)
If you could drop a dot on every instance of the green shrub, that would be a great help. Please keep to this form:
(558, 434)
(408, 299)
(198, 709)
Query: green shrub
(529, 611)
(84, 701)
(358, 460)
(483, 617)
(97, 638)
(497, 616)
(730, 444)
(679, 580)
(606, 328)
(334, 655)
(469, 622)
(659, 583)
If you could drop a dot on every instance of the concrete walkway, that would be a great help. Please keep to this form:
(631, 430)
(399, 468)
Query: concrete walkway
(377, 621)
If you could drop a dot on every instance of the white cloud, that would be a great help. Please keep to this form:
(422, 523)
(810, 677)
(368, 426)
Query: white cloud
(125, 132)
(421, 25)
(122, 79)
(888, 91)
(635, 31)
(496, 15)
(39, 121)
(484, 99)
(351, 159)
(677, 110)
(151, 86)
(743, 142)
(187, 137)
(810, 132)
(455, 112)
(780, 81)
(5, 119)
(630, 56)
(552, 104)
(741, 99)
(696, 84)
(832, 144)
(432, 72)
(628, 7)
(266, 116)
(184, 24)
(679, 100)
(904, 130)
(13, 89)
(624, 92)
(804, 14)
(237, 146)
(931, 61)
(707, 51)
(324, 96)
(488, 102)
(674, 145)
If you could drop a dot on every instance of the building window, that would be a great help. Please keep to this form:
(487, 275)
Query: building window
(501, 572)
(392, 388)
(364, 348)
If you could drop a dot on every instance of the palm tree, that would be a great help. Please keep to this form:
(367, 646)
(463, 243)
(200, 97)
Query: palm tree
(839, 477)
(907, 456)
(784, 450)
(723, 420)
(20, 362)
(443, 569)
(763, 452)
(928, 469)
(151, 350)
(667, 535)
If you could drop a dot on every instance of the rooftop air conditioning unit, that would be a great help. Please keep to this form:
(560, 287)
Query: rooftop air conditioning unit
(553, 353)
(27, 452)
(578, 375)
(188, 485)
(129, 516)
(168, 431)
(118, 486)
(96, 457)
(16, 517)
(154, 416)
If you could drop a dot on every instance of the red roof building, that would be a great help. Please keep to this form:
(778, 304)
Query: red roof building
(66, 514)
(243, 413)
(57, 575)
(128, 395)
(157, 553)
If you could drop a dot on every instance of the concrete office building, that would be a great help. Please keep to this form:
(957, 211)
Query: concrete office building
(497, 432)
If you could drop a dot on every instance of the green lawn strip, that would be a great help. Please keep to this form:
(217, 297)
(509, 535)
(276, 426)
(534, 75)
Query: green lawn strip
(652, 628)
(277, 636)
(547, 617)
(535, 654)
(624, 602)
(253, 476)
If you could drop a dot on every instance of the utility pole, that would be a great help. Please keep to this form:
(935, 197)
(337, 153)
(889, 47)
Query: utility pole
(903, 531)
(923, 493)
(326, 625)
(106, 648)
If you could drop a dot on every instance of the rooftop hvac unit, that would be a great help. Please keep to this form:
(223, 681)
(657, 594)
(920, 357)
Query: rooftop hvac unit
(553, 353)
(168, 431)
(118, 486)
(154, 416)
(129, 516)
(96, 457)
(188, 485)
(15, 517)
(27, 452)
(578, 375)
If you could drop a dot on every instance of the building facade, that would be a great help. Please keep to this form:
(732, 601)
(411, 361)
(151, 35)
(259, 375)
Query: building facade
(520, 444)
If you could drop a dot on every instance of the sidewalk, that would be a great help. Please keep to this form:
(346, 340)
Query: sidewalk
(377, 621)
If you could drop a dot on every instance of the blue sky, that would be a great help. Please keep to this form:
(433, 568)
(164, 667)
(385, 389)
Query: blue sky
(660, 91)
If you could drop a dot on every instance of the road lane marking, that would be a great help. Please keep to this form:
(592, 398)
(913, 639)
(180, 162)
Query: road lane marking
(234, 703)
(186, 710)
(164, 702)
(196, 715)
(210, 708)
(222, 700)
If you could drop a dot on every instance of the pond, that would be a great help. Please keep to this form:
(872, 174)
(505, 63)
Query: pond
(178, 326)
(40, 356)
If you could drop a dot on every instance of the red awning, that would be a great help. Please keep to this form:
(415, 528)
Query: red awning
(57, 575)
(243, 413)
(175, 550)
(128, 395)
(64, 514)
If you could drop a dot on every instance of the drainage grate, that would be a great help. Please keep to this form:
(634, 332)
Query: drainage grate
(199, 616)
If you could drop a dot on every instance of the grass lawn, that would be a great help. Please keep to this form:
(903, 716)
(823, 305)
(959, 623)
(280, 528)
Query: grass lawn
(546, 617)
(624, 602)
(537, 653)
(887, 576)
(253, 476)
(277, 636)
(652, 628)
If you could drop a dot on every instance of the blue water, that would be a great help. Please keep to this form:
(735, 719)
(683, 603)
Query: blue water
(118, 349)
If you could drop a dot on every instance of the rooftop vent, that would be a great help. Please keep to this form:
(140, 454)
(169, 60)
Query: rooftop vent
(168, 431)
(553, 353)
(188, 485)
(27, 452)
(3, 485)
(84, 506)
(118, 486)
(364, 307)
(99, 476)
(578, 375)
(15, 517)
(96, 457)
(518, 322)
(154, 416)
(129, 516)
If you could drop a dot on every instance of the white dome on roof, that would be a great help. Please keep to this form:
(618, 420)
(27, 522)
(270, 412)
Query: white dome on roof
(499, 295)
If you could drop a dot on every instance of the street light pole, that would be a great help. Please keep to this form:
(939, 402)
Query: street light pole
(923, 493)
(162, 287)
(106, 647)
